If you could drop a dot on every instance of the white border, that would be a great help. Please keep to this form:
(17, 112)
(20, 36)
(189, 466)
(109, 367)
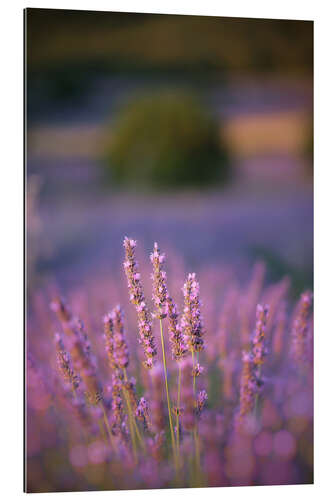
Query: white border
(12, 240)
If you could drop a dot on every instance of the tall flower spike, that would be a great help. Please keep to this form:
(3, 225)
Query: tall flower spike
(142, 412)
(300, 329)
(201, 401)
(258, 347)
(65, 365)
(117, 404)
(192, 319)
(137, 298)
(159, 282)
(178, 345)
(79, 348)
(248, 388)
(108, 337)
(116, 345)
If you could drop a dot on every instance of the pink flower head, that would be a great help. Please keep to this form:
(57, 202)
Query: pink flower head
(201, 401)
(159, 282)
(258, 348)
(116, 345)
(146, 338)
(192, 322)
(65, 364)
(300, 329)
(248, 389)
(178, 346)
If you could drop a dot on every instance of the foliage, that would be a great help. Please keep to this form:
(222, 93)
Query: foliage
(166, 139)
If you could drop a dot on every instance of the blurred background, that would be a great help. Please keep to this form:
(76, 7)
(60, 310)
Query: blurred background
(192, 131)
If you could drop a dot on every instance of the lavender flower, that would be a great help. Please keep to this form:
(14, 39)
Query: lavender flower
(117, 405)
(159, 282)
(129, 385)
(201, 401)
(178, 346)
(197, 370)
(192, 319)
(137, 298)
(116, 345)
(79, 348)
(142, 409)
(108, 337)
(142, 413)
(248, 388)
(300, 329)
(65, 365)
(258, 347)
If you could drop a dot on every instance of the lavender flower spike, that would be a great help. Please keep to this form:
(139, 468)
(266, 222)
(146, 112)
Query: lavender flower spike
(142, 412)
(117, 404)
(116, 345)
(137, 298)
(159, 282)
(192, 320)
(178, 345)
(300, 329)
(65, 365)
(258, 347)
(201, 401)
(249, 387)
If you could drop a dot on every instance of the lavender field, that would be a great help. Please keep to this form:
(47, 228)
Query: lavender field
(169, 252)
(169, 390)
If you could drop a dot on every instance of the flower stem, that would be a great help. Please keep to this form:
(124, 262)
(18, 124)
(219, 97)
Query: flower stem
(178, 405)
(130, 418)
(107, 426)
(141, 441)
(167, 394)
(195, 430)
(256, 401)
(194, 377)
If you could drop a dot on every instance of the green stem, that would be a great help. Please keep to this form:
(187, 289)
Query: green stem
(194, 377)
(130, 418)
(256, 401)
(167, 394)
(141, 441)
(107, 426)
(195, 431)
(178, 404)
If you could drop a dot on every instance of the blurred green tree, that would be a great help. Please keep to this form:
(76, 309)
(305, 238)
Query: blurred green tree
(166, 138)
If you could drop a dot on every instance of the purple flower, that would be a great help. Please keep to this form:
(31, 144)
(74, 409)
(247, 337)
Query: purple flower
(79, 348)
(258, 347)
(137, 298)
(129, 385)
(159, 282)
(116, 345)
(300, 328)
(248, 388)
(197, 370)
(192, 320)
(142, 409)
(142, 412)
(201, 401)
(65, 364)
(117, 405)
(178, 345)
